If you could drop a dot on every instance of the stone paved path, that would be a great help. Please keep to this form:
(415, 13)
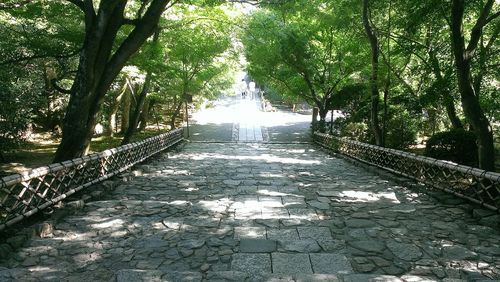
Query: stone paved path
(248, 126)
(260, 212)
(236, 120)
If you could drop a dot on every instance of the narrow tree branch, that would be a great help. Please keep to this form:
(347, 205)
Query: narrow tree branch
(492, 17)
(59, 88)
(477, 30)
(133, 22)
(40, 56)
(493, 37)
(78, 3)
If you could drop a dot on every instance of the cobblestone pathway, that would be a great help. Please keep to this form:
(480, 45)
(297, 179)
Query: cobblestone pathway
(260, 212)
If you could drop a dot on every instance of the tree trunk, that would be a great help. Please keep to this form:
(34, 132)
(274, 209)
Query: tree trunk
(99, 66)
(387, 86)
(375, 96)
(175, 114)
(470, 99)
(126, 105)
(139, 105)
(449, 105)
(385, 116)
(114, 106)
(323, 111)
(444, 87)
(143, 120)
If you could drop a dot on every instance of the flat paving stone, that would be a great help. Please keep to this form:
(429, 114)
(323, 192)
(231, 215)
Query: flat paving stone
(227, 276)
(282, 234)
(257, 246)
(317, 233)
(251, 263)
(181, 276)
(134, 275)
(359, 223)
(317, 278)
(191, 214)
(302, 213)
(368, 246)
(371, 278)
(300, 246)
(291, 263)
(408, 252)
(249, 233)
(330, 264)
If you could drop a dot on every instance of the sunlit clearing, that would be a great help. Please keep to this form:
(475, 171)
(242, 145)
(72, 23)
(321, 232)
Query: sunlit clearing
(191, 189)
(247, 112)
(270, 175)
(264, 157)
(41, 269)
(119, 234)
(213, 206)
(113, 224)
(359, 196)
(307, 214)
(250, 234)
(172, 223)
(272, 193)
(179, 203)
(248, 204)
(83, 259)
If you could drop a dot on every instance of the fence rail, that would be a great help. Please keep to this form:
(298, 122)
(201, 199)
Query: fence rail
(22, 195)
(476, 185)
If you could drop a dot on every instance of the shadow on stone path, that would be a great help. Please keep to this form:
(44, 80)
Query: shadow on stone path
(260, 212)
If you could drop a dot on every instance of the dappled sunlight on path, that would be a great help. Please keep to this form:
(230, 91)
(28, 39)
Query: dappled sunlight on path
(260, 212)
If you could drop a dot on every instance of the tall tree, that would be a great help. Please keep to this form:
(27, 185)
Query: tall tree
(136, 113)
(375, 95)
(464, 54)
(101, 60)
(199, 57)
(305, 50)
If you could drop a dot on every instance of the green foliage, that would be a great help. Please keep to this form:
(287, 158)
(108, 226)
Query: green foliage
(14, 121)
(40, 42)
(18, 105)
(300, 49)
(401, 131)
(197, 51)
(457, 145)
(358, 131)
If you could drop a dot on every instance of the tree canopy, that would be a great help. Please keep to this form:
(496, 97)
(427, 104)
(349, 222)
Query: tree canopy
(398, 71)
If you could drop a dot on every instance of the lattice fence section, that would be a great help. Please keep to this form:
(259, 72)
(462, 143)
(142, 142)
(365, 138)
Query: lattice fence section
(22, 195)
(479, 186)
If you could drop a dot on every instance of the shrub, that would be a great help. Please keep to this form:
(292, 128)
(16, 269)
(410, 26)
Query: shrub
(456, 145)
(350, 128)
(401, 131)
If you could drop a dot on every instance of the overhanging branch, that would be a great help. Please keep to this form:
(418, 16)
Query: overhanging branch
(39, 56)
(59, 88)
(78, 3)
